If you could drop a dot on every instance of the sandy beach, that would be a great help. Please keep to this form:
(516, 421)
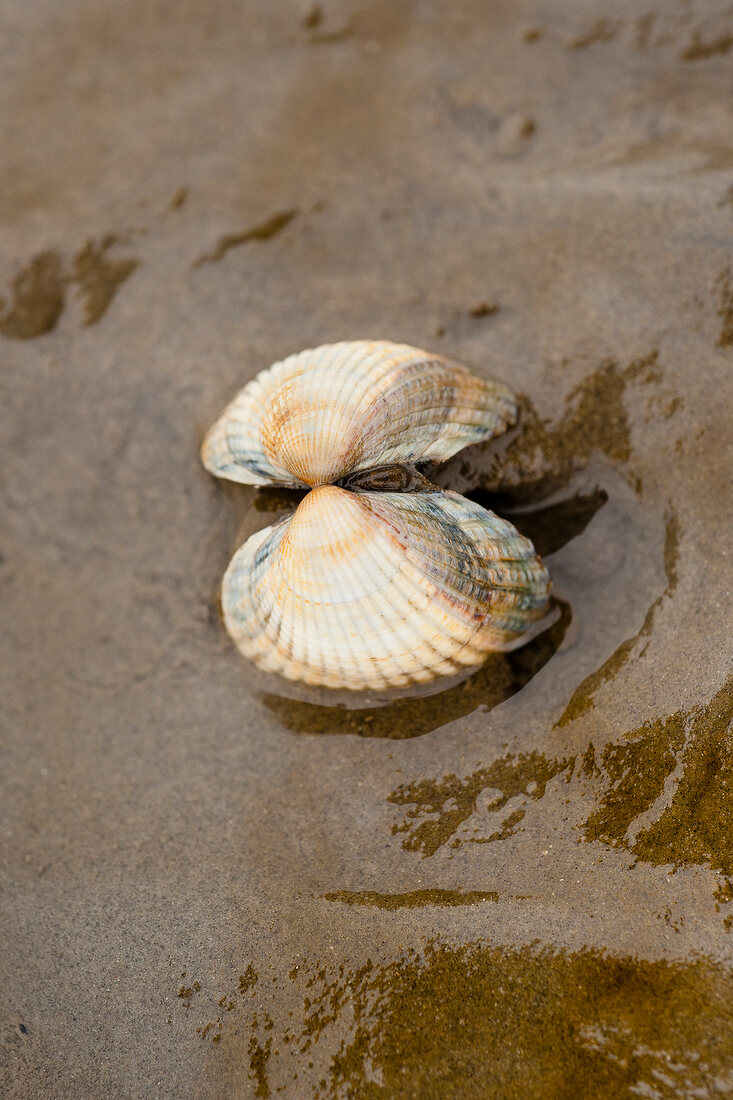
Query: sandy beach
(217, 885)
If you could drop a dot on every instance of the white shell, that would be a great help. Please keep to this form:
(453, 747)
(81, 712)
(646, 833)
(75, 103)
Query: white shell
(371, 590)
(321, 414)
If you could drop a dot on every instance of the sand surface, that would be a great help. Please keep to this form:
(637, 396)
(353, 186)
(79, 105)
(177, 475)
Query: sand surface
(521, 886)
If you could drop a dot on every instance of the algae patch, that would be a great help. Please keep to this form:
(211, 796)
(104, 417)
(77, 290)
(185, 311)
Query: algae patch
(259, 1056)
(695, 826)
(689, 822)
(636, 771)
(38, 298)
(467, 1022)
(476, 1020)
(416, 899)
(262, 232)
(543, 456)
(248, 980)
(234, 1020)
(438, 808)
(99, 277)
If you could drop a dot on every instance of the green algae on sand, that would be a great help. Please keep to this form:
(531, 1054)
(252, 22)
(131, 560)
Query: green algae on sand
(447, 803)
(415, 899)
(695, 825)
(470, 1022)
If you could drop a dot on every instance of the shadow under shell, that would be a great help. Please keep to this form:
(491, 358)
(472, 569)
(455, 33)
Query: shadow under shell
(411, 712)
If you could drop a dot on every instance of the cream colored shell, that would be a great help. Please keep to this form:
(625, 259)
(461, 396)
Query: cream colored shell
(365, 589)
(376, 590)
(323, 413)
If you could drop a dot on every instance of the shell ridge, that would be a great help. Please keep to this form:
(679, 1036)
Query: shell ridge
(530, 584)
(442, 560)
(438, 625)
(371, 550)
(411, 635)
(338, 650)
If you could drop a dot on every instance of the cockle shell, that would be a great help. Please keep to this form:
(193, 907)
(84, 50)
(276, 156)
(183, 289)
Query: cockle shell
(319, 415)
(363, 587)
(381, 589)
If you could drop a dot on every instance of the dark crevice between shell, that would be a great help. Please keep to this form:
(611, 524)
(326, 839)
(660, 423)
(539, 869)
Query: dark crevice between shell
(393, 478)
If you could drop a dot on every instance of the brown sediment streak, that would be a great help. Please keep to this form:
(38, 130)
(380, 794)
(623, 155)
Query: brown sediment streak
(416, 899)
(179, 199)
(322, 38)
(39, 292)
(699, 48)
(725, 309)
(484, 309)
(602, 31)
(262, 232)
(39, 289)
(99, 277)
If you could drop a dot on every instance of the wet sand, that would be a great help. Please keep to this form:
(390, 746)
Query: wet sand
(217, 886)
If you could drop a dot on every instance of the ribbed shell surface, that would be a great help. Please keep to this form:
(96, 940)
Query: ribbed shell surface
(374, 590)
(323, 413)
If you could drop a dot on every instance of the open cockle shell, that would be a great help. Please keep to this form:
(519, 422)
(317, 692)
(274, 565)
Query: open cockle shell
(334, 410)
(379, 579)
(375, 590)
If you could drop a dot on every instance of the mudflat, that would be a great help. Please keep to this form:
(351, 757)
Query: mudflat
(217, 885)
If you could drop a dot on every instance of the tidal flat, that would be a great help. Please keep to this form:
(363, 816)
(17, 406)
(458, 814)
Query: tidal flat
(217, 885)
